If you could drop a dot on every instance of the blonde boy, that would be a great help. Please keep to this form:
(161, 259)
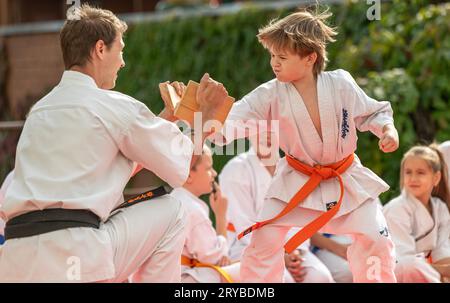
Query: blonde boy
(318, 113)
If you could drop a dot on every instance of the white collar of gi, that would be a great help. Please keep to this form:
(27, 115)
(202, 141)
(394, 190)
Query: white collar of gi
(73, 77)
(416, 201)
(193, 198)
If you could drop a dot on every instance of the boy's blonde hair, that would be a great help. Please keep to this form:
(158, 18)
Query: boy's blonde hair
(300, 33)
(433, 156)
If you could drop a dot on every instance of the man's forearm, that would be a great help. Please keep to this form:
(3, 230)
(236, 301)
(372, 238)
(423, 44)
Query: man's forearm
(166, 115)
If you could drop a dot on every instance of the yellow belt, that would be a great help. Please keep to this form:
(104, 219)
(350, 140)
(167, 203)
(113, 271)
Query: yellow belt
(195, 263)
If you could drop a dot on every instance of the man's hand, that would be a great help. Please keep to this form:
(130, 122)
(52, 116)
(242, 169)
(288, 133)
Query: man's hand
(167, 113)
(389, 141)
(210, 96)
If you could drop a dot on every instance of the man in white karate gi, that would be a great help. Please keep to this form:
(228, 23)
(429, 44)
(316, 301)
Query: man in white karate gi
(79, 147)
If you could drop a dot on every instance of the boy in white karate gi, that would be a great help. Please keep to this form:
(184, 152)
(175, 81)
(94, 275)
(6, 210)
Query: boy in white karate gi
(79, 147)
(419, 219)
(245, 180)
(205, 252)
(318, 113)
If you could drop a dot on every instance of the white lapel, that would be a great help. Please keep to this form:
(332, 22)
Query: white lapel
(328, 119)
(312, 142)
(425, 229)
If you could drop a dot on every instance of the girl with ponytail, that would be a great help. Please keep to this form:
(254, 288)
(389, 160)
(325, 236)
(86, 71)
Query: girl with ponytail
(419, 219)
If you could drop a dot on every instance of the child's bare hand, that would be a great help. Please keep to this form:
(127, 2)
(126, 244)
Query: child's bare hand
(389, 141)
(293, 263)
(210, 96)
(218, 203)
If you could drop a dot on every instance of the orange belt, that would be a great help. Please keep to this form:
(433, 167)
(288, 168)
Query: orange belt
(230, 227)
(194, 263)
(429, 259)
(316, 174)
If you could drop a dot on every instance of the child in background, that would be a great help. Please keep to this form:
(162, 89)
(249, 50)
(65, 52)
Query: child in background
(419, 219)
(205, 252)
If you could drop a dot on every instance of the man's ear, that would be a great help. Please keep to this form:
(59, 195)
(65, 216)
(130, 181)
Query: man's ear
(99, 49)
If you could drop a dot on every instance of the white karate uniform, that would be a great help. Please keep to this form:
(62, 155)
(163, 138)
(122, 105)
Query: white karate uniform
(78, 149)
(339, 267)
(3, 189)
(344, 108)
(244, 180)
(417, 234)
(202, 242)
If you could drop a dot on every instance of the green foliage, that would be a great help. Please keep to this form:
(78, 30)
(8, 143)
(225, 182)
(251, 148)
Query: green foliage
(403, 58)
(397, 87)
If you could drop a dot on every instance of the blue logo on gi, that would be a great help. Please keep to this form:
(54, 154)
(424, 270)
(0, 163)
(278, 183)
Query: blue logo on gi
(345, 128)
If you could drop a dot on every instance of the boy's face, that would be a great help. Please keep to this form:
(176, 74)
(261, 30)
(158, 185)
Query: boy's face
(202, 176)
(289, 67)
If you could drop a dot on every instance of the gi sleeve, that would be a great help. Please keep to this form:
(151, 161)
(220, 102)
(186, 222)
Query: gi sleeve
(236, 186)
(158, 145)
(245, 115)
(400, 226)
(368, 113)
(205, 245)
(442, 249)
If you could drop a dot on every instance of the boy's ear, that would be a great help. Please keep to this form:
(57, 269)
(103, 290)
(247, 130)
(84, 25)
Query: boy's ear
(190, 178)
(312, 58)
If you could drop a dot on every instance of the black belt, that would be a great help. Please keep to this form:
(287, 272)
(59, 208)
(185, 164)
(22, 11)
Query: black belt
(47, 220)
(53, 219)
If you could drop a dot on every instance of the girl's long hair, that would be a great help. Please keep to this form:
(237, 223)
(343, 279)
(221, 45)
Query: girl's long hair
(433, 156)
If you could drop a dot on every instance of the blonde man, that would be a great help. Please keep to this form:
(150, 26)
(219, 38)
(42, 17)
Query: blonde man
(320, 184)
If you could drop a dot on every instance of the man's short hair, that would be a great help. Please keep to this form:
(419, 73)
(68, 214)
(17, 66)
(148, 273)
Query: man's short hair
(86, 26)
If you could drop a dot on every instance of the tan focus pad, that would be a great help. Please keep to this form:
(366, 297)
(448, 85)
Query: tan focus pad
(188, 106)
(169, 95)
